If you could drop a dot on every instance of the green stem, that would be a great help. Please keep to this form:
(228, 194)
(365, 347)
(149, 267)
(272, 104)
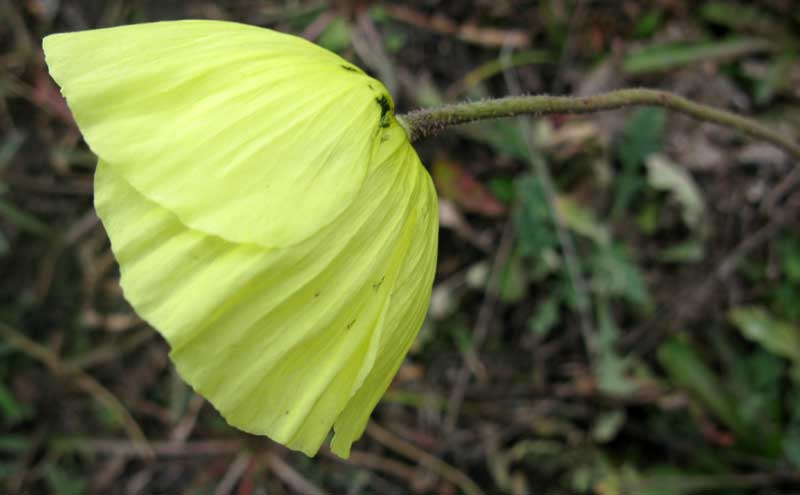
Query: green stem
(428, 122)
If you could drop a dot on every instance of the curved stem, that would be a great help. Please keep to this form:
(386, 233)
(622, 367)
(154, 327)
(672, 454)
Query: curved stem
(428, 122)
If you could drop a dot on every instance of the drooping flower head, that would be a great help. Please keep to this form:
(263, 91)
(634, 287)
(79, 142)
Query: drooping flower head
(268, 213)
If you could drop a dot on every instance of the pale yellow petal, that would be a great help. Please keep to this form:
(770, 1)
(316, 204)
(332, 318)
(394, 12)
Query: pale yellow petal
(244, 133)
(287, 341)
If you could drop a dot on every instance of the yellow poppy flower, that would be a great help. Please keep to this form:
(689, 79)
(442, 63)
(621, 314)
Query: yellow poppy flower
(269, 216)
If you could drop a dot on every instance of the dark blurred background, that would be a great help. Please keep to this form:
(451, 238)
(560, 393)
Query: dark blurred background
(617, 303)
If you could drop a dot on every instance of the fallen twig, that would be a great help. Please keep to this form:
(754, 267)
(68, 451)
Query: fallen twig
(83, 380)
(411, 451)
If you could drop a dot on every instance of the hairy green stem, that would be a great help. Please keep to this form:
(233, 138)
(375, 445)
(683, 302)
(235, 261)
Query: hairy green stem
(428, 122)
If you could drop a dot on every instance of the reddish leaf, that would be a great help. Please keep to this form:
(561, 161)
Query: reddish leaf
(458, 185)
(248, 485)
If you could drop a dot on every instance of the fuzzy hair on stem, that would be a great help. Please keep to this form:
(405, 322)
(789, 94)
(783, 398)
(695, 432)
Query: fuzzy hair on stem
(431, 121)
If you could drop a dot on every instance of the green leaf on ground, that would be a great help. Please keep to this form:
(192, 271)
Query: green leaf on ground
(502, 188)
(532, 218)
(612, 370)
(687, 252)
(12, 410)
(641, 137)
(778, 76)
(614, 273)
(336, 36)
(581, 220)
(608, 425)
(688, 370)
(662, 57)
(665, 175)
(739, 16)
(513, 279)
(545, 317)
(776, 336)
(648, 23)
